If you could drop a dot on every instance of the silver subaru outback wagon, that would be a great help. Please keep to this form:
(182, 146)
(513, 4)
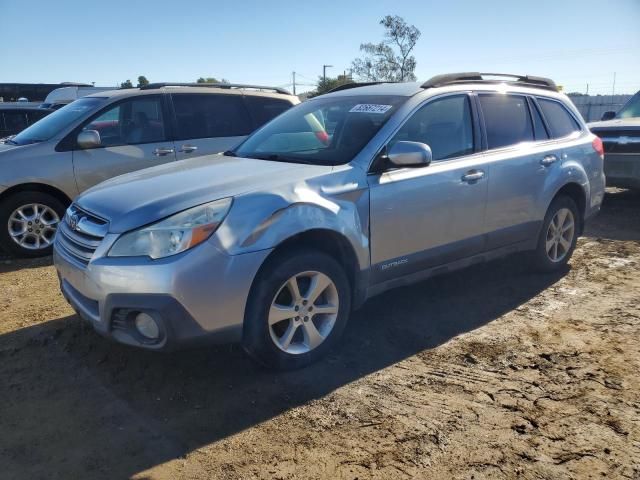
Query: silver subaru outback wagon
(338, 199)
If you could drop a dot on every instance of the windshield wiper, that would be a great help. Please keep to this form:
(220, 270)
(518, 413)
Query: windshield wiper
(274, 157)
(230, 153)
(11, 142)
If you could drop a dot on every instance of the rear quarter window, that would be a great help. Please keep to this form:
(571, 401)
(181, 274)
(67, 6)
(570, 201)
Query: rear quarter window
(560, 121)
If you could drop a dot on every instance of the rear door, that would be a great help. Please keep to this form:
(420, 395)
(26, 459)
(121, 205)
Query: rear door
(429, 216)
(134, 135)
(209, 123)
(520, 158)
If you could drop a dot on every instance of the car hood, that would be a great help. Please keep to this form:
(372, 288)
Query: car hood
(6, 146)
(139, 198)
(616, 124)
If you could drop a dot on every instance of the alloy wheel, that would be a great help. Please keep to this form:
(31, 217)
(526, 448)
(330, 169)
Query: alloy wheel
(33, 226)
(303, 312)
(560, 235)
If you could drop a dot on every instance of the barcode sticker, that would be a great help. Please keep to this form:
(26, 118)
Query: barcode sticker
(370, 108)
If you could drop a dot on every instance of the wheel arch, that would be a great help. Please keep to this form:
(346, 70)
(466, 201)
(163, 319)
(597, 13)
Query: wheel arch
(331, 243)
(36, 187)
(577, 193)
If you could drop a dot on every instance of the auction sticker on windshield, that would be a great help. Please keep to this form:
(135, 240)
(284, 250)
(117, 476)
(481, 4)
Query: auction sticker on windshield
(370, 108)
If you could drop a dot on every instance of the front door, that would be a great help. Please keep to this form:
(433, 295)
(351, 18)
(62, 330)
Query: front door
(429, 216)
(133, 136)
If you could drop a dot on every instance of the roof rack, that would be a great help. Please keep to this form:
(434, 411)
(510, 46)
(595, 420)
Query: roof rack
(214, 85)
(347, 86)
(477, 77)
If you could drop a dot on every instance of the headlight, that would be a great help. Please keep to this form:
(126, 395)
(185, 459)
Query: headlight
(175, 234)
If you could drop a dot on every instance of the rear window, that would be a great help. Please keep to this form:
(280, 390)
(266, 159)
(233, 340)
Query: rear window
(507, 120)
(209, 116)
(264, 109)
(560, 121)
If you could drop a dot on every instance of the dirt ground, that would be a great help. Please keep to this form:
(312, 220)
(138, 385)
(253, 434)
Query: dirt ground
(491, 372)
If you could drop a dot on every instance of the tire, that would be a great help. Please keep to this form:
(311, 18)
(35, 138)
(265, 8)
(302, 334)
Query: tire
(265, 341)
(561, 246)
(45, 219)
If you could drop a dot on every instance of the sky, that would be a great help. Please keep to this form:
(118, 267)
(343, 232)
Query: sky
(575, 42)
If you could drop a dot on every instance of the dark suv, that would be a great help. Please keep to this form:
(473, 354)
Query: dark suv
(620, 133)
(15, 118)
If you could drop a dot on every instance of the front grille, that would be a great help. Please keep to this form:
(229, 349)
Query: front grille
(80, 234)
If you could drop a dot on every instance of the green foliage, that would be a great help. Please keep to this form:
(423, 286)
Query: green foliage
(142, 81)
(211, 80)
(126, 84)
(391, 59)
(329, 84)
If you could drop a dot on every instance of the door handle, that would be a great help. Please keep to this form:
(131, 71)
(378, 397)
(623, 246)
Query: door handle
(187, 148)
(161, 152)
(473, 176)
(549, 160)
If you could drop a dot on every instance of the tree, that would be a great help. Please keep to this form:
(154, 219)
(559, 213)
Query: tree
(126, 84)
(211, 80)
(325, 85)
(391, 59)
(142, 81)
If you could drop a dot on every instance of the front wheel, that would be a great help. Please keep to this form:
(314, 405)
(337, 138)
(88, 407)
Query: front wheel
(28, 223)
(558, 236)
(297, 309)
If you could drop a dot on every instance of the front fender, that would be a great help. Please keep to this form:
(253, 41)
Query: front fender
(263, 221)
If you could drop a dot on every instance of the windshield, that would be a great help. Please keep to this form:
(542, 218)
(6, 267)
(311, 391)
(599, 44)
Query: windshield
(52, 124)
(631, 109)
(323, 131)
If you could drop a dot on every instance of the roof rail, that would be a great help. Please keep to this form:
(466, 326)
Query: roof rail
(347, 86)
(214, 85)
(477, 77)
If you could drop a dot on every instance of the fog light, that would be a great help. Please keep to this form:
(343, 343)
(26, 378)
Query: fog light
(147, 326)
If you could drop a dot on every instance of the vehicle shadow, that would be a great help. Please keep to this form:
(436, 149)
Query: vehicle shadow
(619, 218)
(77, 405)
(12, 264)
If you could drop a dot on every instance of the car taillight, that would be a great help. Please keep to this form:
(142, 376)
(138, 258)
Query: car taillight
(598, 147)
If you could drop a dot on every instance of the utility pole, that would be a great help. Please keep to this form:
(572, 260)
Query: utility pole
(324, 72)
(294, 83)
(587, 89)
(613, 90)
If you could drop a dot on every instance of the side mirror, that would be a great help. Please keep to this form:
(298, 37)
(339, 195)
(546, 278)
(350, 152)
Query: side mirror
(608, 116)
(89, 139)
(410, 154)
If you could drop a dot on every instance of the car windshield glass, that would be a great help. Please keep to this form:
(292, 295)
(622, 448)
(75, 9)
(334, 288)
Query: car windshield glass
(322, 131)
(631, 109)
(52, 124)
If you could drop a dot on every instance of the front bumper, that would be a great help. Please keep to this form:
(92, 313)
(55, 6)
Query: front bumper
(622, 170)
(198, 296)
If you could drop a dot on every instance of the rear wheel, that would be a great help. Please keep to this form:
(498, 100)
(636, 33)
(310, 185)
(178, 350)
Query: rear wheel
(28, 223)
(558, 236)
(297, 310)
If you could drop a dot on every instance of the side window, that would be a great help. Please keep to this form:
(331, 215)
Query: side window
(208, 116)
(15, 121)
(560, 121)
(506, 119)
(264, 109)
(135, 121)
(445, 125)
(538, 125)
